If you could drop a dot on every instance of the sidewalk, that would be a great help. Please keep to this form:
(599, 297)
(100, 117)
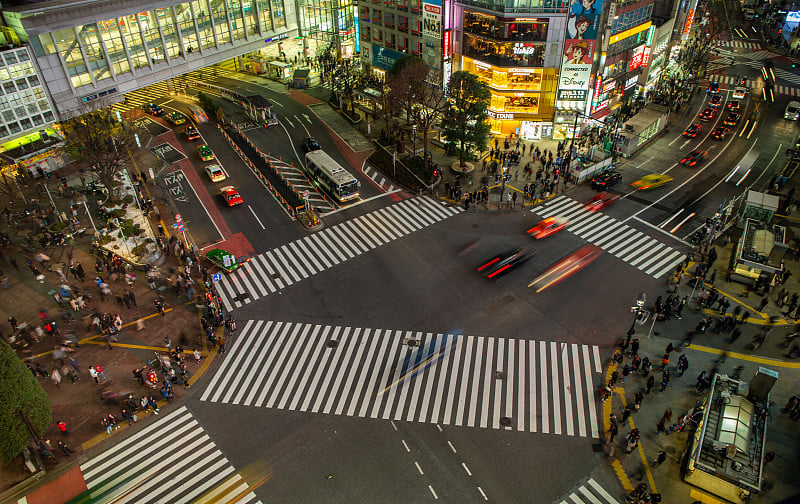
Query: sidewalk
(77, 402)
(680, 397)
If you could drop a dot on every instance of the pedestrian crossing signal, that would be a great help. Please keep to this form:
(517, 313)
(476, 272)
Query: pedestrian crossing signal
(642, 316)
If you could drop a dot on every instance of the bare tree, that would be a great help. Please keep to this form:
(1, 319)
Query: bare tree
(100, 141)
(432, 104)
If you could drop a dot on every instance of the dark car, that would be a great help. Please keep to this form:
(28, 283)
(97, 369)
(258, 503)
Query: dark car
(191, 133)
(310, 144)
(693, 130)
(732, 119)
(713, 87)
(715, 100)
(694, 157)
(734, 106)
(504, 262)
(153, 109)
(719, 133)
(606, 179)
(708, 114)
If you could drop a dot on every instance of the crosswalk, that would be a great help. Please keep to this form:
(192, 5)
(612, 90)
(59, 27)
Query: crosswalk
(171, 461)
(728, 80)
(286, 265)
(143, 96)
(590, 493)
(376, 176)
(297, 178)
(620, 240)
(451, 379)
(738, 44)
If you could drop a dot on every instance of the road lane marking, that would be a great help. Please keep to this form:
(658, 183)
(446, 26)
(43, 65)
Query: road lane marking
(303, 125)
(697, 173)
(256, 216)
(452, 447)
(464, 465)
(433, 492)
(418, 468)
(289, 121)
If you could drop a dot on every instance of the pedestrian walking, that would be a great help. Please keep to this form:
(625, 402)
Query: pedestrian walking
(612, 433)
(662, 456)
(650, 382)
(626, 413)
(637, 400)
(62, 427)
(635, 346)
(55, 375)
(64, 447)
(664, 380)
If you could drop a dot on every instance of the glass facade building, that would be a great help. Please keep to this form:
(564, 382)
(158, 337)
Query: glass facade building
(515, 55)
(24, 104)
(334, 23)
(104, 49)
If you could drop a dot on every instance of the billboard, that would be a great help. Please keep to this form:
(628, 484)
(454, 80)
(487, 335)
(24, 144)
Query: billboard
(432, 19)
(579, 44)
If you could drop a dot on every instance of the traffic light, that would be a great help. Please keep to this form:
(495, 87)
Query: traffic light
(435, 174)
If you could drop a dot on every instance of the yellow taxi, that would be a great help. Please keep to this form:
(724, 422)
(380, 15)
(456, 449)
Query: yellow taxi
(651, 181)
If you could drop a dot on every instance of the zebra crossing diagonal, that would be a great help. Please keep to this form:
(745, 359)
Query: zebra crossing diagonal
(375, 176)
(171, 461)
(288, 264)
(460, 380)
(629, 245)
(590, 493)
(143, 96)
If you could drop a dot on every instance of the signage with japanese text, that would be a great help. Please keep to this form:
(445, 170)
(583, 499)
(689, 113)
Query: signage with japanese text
(572, 94)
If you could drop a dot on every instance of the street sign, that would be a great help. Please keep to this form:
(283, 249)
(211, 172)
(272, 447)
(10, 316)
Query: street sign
(178, 217)
(305, 194)
(181, 228)
(217, 277)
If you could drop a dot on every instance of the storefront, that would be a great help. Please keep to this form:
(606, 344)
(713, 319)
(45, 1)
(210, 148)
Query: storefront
(35, 154)
(518, 95)
(508, 54)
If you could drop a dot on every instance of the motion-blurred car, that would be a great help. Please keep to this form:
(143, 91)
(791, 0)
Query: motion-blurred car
(176, 118)
(215, 173)
(732, 119)
(191, 133)
(734, 106)
(547, 227)
(566, 267)
(708, 114)
(231, 196)
(606, 179)
(739, 93)
(600, 201)
(310, 144)
(693, 130)
(153, 109)
(715, 100)
(651, 181)
(719, 133)
(503, 263)
(694, 157)
(713, 87)
(205, 153)
(224, 260)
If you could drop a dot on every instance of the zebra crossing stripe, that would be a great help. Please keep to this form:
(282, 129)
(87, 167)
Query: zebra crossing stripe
(292, 262)
(170, 460)
(448, 378)
(618, 239)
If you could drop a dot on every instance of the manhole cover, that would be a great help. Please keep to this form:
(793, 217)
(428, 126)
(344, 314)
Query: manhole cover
(276, 276)
(500, 375)
(474, 226)
(597, 447)
(331, 343)
(505, 421)
(671, 450)
(412, 342)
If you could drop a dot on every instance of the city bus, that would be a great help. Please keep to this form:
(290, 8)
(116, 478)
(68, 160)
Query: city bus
(326, 173)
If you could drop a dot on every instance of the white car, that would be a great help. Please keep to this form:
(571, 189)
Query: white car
(792, 111)
(216, 173)
(739, 93)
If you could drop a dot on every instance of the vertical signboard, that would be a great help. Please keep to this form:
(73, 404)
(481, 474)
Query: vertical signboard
(579, 43)
(432, 32)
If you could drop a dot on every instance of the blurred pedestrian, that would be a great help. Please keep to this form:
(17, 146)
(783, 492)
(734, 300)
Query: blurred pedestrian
(62, 427)
(662, 456)
(65, 449)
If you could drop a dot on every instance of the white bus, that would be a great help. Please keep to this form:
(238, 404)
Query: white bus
(329, 175)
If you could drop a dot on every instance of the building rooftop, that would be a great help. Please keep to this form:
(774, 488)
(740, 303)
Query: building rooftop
(733, 436)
